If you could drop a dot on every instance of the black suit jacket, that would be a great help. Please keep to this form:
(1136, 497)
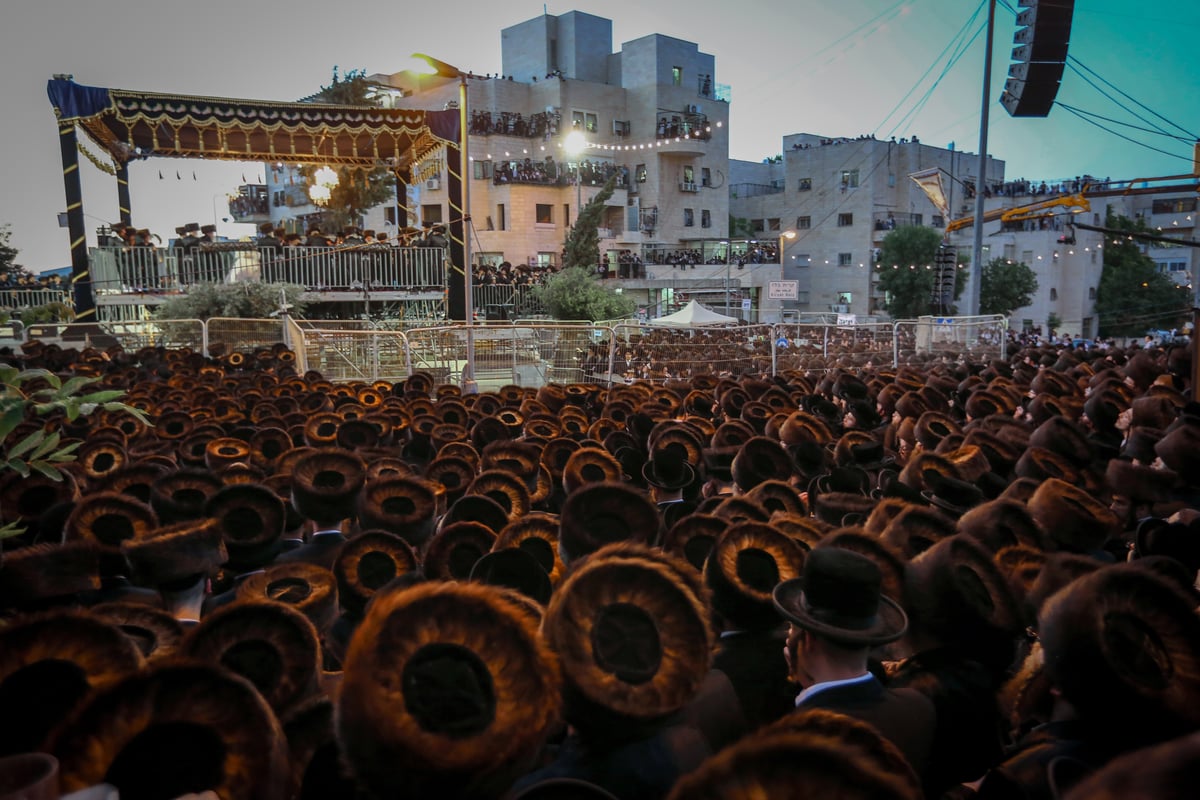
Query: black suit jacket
(754, 662)
(322, 550)
(904, 716)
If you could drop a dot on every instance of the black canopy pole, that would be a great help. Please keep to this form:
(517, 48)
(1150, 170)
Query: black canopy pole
(81, 281)
(123, 203)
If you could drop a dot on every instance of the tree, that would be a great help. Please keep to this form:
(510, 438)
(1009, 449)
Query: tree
(8, 255)
(1133, 295)
(1006, 286)
(574, 293)
(903, 259)
(741, 228)
(357, 189)
(582, 247)
(248, 300)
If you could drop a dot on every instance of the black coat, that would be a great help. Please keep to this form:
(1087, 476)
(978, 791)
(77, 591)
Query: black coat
(756, 667)
(967, 741)
(904, 716)
(322, 550)
(1025, 774)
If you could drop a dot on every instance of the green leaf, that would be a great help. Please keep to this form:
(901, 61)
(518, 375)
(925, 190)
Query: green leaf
(49, 470)
(68, 450)
(19, 466)
(72, 407)
(31, 374)
(10, 419)
(78, 382)
(8, 373)
(12, 529)
(102, 397)
(28, 443)
(47, 446)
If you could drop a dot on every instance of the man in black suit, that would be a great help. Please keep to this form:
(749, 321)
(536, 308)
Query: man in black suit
(836, 615)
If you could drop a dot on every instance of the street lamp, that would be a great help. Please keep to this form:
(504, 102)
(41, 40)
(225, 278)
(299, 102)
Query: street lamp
(428, 65)
(573, 146)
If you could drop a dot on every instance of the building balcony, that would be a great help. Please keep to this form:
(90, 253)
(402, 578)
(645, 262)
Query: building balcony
(251, 204)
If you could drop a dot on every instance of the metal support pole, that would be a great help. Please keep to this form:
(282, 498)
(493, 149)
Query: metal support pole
(980, 180)
(469, 385)
(81, 281)
(123, 203)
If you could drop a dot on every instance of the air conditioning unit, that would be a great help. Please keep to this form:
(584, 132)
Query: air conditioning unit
(841, 308)
(692, 109)
(433, 184)
(685, 186)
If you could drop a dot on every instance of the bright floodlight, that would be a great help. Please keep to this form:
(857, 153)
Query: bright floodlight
(422, 64)
(575, 143)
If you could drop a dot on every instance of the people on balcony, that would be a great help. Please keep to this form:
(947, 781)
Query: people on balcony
(553, 173)
(510, 123)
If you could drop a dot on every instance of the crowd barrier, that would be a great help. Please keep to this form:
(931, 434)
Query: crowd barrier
(534, 353)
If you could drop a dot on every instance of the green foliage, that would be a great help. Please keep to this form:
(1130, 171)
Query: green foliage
(1006, 286)
(1133, 295)
(248, 300)
(357, 189)
(31, 393)
(740, 228)
(908, 290)
(8, 254)
(1053, 323)
(582, 247)
(574, 293)
(50, 312)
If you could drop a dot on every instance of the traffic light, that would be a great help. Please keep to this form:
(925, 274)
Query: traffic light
(1040, 53)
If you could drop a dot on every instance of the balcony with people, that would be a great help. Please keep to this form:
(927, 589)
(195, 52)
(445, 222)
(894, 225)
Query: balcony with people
(251, 204)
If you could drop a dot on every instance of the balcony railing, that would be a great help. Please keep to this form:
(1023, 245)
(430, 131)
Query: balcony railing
(890, 220)
(688, 186)
(29, 298)
(376, 267)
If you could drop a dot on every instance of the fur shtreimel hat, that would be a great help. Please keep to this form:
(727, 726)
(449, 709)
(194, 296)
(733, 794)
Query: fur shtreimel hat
(590, 465)
(155, 632)
(252, 519)
(778, 497)
(1071, 518)
(1063, 437)
(536, 534)
(172, 731)
(1166, 771)
(760, 459)
(515, 569)
(181, 495)
(916, 529)
(176, 552)
(42, 572)
(325, 484)
(404, 506)
(225, 451)
(453, 473)
(506, 488)
(109, 518)
(1180, 451)
(747, 562)
(453, 551)
(955, 591)
(799, 763)
(448, 690)
(1001, 523)
(604, 513)
(693, 536)
(367, 563)
(49, 664)
(309, 589)
(633, 637)
(1123, 646)
(269, 644)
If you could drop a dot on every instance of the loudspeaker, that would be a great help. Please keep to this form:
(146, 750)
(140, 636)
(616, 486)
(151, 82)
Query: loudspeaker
(1040, 52)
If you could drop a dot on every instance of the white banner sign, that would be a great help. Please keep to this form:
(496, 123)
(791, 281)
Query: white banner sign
(783, 290)
(846, 320)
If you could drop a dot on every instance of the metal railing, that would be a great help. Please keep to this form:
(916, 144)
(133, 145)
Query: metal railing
(534, 353)
(354, 268)
(31, 298)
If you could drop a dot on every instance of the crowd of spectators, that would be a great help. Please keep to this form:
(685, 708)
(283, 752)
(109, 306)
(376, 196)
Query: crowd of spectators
(248, 206)
(754, 252)
(1022, 187)
(506, 274)
(553, 173)
(950, 579)
(511, 123)
(23, 281)
(675, 126)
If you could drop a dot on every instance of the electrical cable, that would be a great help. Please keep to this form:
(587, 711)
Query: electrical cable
(1125, 124)
(929, 93)
(1074, 60)
(1123, 136)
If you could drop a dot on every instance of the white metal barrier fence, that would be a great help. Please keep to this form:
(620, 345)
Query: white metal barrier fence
(981, 338)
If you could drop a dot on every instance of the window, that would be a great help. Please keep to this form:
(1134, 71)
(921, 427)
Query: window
(1173, 206)
(431, 214)
(689, 174)
(639, 173)
(758, 225)
(805, 185)
(845, 298)
(705, 176)
(677, 76)
(803, 223)
(938, 221)
(801, 260)
(489, 259)
(389, 215)
(483, 169)
(845, 220)
(773, 224)
(689, 218)
(567, 215)
(1172, 266)
(1010, 252)
(891, 179)
(705, 218)
(576, 119)
(849, 179)
(501, 224)
(1091, 293)
(1053, 294)
(1026, 256)
(544, 214)
(845, 259)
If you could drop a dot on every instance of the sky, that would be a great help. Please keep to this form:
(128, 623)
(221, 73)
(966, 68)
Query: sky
(833, 68)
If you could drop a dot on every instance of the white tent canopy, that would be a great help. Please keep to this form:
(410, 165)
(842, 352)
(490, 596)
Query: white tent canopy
(693, 315)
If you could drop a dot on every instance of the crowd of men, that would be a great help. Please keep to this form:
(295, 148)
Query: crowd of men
(950, 579)
(553, 173)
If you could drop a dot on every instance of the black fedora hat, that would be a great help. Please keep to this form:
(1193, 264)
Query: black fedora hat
(514, 568)
(668, 468)
(838, 597)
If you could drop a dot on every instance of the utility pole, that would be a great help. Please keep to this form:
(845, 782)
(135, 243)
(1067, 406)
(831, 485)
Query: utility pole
(981, 178)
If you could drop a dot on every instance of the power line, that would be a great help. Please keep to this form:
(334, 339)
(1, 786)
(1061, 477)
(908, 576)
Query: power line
(916, 109)
(1125, 124)
(1074, 60)
(965, 27)
(1123, 136)
(1116, 102)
